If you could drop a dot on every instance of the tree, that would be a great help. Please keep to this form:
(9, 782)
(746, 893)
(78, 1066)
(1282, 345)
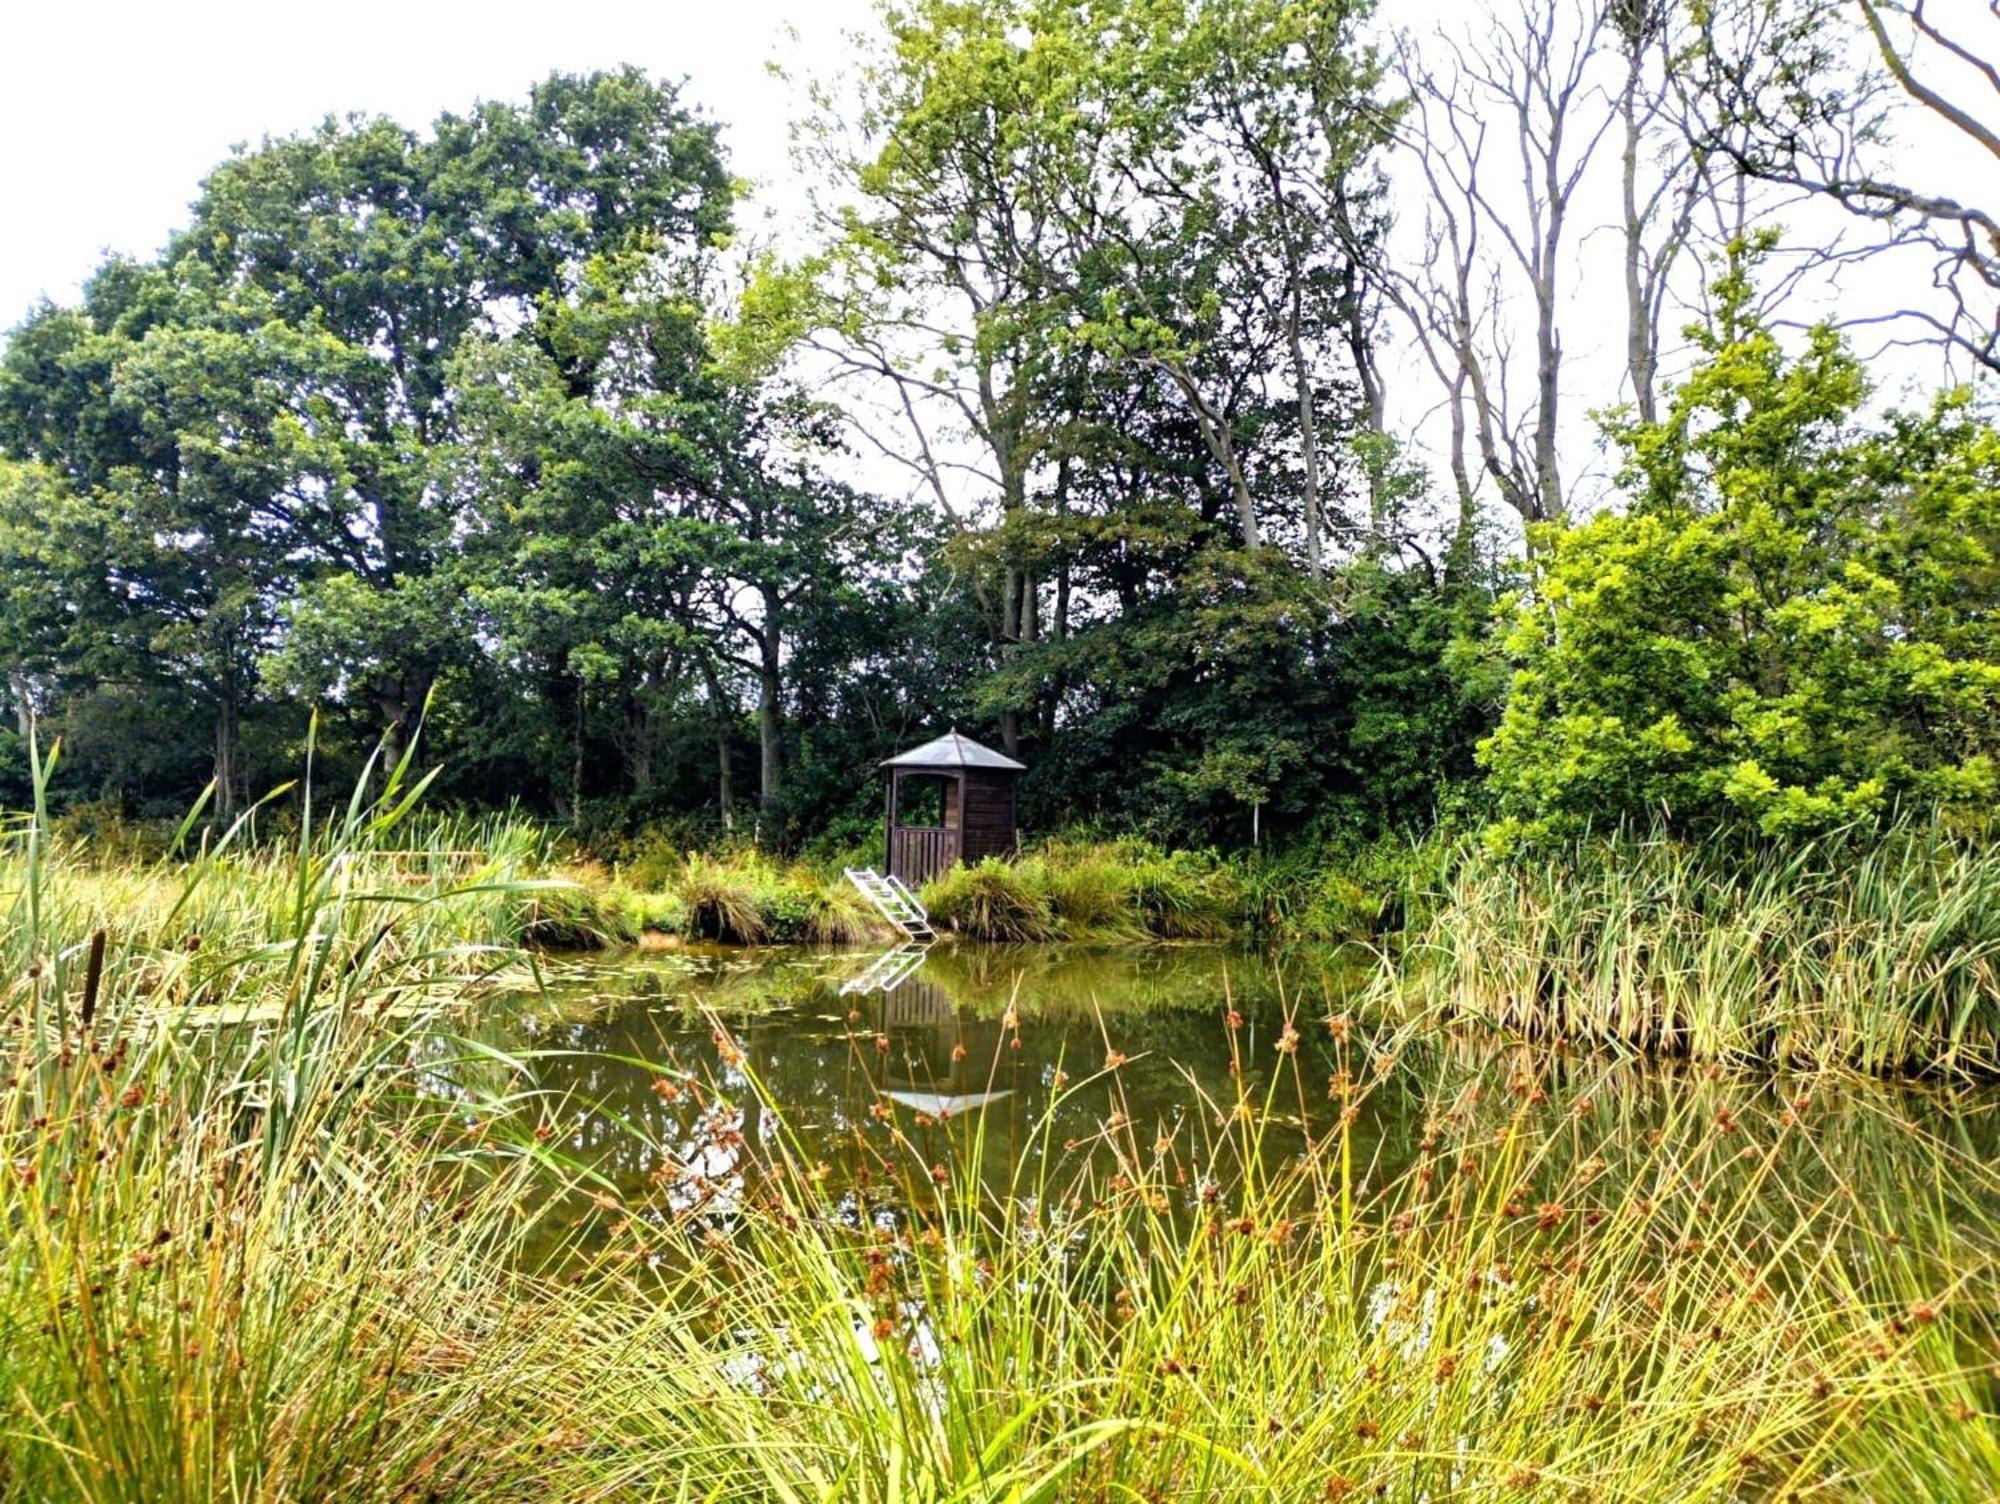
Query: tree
(259, 429)
(1504, 144)
(1792, 627)
(397, 251)
(947, 286)
(1824, 122)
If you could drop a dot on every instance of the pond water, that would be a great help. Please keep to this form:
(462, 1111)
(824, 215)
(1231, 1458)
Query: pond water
(971, 1052)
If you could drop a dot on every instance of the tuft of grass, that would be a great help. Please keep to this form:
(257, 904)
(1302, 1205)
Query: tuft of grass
(722, 901)
(252, 1252)
(991, 901)
(1103, 892)
(1182, 895)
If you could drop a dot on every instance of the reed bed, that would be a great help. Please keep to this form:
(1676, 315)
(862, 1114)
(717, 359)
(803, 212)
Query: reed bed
(1880, 953)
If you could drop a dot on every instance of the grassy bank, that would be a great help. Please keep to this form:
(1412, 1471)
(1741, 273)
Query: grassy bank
(1879, 952)
(275, 1235)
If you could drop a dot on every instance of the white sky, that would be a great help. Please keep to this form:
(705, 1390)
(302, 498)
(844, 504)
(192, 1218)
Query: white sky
(113, 112)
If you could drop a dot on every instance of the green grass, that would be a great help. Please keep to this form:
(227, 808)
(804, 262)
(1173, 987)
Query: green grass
(275, 1233)
(1104, 892)
(743, 898)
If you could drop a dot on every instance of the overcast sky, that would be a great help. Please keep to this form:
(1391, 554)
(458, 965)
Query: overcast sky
(112, 113)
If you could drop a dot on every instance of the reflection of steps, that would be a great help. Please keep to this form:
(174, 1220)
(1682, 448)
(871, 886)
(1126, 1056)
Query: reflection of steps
(887, 971)
(894, 902)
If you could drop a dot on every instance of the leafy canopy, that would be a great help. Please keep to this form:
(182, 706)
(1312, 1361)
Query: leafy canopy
(1791, 627)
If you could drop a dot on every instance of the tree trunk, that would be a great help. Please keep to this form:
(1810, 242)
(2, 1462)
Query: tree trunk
(1641, 340)
(576, 754)
(1309, 439)
(641, 761)
(24, 710)
(1459, 560)
(225, 773)
(770, 709)
(725, 792)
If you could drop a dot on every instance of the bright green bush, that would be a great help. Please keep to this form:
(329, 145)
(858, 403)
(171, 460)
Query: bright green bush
(1793, 626)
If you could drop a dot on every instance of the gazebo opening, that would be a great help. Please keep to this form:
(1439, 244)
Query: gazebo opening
(949, 801)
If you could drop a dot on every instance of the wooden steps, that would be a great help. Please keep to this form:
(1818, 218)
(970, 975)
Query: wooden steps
(894, 902)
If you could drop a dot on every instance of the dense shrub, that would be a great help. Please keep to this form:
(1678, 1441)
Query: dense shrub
(1792, 627)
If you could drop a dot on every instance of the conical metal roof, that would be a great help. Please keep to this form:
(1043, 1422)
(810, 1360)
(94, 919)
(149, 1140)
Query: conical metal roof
(953, 751)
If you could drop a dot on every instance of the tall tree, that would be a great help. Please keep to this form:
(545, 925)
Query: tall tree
(1858, 80)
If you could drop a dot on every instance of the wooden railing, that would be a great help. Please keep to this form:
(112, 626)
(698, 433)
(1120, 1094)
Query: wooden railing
(918, 853)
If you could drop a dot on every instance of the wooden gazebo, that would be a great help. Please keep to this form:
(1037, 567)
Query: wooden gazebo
(968, 810)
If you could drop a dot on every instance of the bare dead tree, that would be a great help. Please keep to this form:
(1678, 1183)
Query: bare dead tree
(1526, 136)
(1663, 182)
(1502, 131)
(1863, 77)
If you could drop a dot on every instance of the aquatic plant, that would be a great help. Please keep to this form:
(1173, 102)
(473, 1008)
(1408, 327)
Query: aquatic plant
(1879, 952)
(1543, 1306)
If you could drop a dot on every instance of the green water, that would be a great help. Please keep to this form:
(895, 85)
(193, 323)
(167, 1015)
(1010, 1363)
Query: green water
(974, 1051)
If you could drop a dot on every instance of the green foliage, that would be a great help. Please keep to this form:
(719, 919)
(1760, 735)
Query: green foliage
(1791, 628)
(991, 901)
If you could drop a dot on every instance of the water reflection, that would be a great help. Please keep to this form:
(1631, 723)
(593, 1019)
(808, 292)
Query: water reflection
(664, 1063)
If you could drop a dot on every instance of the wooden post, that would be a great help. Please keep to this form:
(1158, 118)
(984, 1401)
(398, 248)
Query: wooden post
(889, 823)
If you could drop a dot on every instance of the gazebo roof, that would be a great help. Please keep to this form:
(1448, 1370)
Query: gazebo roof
(953, 751)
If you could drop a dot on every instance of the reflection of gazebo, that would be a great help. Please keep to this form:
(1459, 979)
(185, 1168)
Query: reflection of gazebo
(974, 810)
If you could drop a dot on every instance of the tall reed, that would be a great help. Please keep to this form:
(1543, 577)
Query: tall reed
(252, 1252)
(1883, 954)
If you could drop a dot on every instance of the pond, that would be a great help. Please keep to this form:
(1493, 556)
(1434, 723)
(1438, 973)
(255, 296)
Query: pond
(674, 1070)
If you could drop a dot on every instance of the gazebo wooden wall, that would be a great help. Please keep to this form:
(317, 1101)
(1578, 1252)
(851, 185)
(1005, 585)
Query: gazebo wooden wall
(979, 815)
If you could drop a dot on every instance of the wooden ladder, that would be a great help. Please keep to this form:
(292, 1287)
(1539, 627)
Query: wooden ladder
(894, 902)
